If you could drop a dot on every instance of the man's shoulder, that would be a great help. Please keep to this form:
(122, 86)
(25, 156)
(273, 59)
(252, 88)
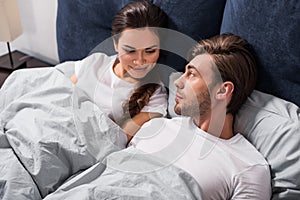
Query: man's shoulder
(240, 146)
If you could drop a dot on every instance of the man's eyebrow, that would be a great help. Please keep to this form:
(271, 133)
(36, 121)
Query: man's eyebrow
(190, 66)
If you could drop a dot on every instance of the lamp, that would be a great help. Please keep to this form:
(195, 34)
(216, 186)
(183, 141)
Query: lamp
(10, 28)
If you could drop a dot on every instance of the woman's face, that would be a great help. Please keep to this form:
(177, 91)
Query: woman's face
(138, 51)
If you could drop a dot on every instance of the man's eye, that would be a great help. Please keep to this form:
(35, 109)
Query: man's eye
(191, 74)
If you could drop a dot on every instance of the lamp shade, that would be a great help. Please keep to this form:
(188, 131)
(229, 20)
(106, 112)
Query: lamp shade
(10, 23)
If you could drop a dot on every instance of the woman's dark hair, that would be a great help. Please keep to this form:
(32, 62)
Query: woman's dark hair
(140, 97)
(235, 61)
(138, 14)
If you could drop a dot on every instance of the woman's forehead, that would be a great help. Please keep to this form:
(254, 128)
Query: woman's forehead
(139, 38)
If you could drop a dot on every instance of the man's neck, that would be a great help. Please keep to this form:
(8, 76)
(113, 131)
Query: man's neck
(219, 126)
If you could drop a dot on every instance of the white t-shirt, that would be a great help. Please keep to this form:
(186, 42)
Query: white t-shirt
(95, 76)
(224, 169)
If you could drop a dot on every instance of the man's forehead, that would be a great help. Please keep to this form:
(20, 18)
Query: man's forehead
(202, 63)
(206, 67)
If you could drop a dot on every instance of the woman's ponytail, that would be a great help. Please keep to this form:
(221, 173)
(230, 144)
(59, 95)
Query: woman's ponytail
(139, 98)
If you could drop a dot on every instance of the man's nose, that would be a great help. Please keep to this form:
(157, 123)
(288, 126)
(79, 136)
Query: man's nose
(179, 82)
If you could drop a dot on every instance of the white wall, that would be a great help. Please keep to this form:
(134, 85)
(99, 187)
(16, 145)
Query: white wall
(38, 18)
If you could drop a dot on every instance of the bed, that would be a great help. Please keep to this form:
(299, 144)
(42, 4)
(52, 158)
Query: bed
(61, 149)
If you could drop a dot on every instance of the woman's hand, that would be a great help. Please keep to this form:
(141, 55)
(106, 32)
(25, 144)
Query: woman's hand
(73, 78)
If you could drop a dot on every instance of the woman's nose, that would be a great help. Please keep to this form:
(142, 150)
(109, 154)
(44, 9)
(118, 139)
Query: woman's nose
(140, 59)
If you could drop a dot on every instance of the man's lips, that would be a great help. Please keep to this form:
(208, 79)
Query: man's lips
(178, 97)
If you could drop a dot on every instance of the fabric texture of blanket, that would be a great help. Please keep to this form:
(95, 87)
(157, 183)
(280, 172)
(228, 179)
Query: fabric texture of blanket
(57, 144)
(130, 174)
(49, 130)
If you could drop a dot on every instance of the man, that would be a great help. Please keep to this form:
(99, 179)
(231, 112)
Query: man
(218, 79)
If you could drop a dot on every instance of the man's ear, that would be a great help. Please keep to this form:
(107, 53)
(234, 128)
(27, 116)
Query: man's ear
(225, 90)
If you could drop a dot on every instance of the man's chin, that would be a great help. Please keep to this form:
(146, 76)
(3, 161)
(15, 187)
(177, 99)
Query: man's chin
(183, 111)
(177, 110)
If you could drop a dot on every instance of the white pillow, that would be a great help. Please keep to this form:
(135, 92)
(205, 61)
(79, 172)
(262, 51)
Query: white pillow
(272, 125)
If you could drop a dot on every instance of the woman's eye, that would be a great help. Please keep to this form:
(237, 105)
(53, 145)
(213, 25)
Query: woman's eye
(129, 51)
(151, 51)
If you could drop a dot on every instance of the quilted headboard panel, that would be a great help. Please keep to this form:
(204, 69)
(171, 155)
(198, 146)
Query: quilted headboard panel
(81, 25)
(273, 28)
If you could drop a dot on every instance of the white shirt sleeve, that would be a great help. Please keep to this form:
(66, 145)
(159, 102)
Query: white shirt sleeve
(97, 58)
(77, 68)
(158, 102)
(253, 183)
(83, 63)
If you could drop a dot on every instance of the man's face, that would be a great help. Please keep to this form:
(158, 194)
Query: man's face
(192, 96)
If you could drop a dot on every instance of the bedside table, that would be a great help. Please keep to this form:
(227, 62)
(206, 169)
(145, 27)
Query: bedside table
(21, 60)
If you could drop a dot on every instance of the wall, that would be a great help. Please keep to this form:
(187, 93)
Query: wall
(38, 39)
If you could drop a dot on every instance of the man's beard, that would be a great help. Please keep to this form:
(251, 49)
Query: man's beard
(195, 107)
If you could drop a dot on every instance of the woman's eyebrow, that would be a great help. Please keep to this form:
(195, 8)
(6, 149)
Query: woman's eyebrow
(151, 47)
(127, 46)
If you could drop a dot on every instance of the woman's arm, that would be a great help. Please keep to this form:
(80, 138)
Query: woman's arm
(131, 126)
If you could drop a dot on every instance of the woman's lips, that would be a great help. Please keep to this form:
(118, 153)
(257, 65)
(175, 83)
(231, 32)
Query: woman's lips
(139, 69)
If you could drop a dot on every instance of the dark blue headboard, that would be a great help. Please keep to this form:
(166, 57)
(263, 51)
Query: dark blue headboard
(83, 24)
(273, 29)
(271, 26)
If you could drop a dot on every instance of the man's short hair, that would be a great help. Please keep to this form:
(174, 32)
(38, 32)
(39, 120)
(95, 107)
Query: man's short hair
(234, 59)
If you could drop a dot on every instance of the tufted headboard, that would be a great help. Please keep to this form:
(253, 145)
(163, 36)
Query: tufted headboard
(271, 26)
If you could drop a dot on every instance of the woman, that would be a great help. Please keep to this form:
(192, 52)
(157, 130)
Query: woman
(132, 95)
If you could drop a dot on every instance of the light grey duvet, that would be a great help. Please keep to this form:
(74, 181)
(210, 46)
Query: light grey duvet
(129, 174)
(50, 132)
